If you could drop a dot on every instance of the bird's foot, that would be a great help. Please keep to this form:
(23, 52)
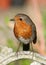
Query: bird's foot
(16, 53)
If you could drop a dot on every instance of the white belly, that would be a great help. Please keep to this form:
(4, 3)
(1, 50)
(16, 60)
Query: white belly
(25, 41)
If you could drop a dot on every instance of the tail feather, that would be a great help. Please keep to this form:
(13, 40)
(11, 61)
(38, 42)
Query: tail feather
(26, 47)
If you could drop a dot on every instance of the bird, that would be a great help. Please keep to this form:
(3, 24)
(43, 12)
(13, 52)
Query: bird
(24, 30)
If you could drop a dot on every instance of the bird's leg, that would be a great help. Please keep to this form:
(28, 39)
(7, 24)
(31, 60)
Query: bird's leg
(18, 48)
(32, 50)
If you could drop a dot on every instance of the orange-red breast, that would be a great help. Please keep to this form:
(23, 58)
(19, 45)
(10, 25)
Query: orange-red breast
(24, 30)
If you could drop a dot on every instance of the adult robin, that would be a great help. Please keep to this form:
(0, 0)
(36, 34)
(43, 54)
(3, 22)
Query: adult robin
(24, 30)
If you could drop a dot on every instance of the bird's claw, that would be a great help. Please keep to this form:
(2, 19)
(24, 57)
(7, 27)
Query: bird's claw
(17, 54)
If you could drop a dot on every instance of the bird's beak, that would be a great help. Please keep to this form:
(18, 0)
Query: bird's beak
(11, 19)
(11, 24)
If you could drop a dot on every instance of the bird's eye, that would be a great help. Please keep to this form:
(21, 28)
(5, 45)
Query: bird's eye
(20, 19)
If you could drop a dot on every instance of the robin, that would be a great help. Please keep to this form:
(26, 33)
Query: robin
(24, 30)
